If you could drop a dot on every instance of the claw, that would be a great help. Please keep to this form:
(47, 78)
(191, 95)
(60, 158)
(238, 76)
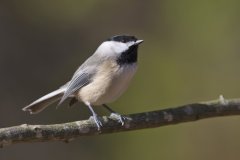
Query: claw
(119, 118)
(95, 117)
(97, 122)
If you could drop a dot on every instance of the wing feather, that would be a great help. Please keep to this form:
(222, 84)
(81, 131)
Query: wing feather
(77, 82)
(81, 77)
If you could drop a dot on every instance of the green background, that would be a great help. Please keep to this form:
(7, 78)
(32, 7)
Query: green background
(190, 54)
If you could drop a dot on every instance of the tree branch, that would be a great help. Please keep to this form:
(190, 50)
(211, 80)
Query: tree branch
(68, 131)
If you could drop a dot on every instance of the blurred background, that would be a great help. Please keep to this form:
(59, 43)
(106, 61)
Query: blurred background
(190, 53)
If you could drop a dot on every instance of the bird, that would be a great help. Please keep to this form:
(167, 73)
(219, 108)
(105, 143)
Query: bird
(100, 80)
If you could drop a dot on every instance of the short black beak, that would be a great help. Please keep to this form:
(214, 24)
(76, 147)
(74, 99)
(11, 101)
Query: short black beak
(138, 42)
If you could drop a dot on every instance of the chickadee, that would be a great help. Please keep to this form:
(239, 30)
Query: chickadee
(101, 79)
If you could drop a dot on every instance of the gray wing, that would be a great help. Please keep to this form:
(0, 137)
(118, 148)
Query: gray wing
(81, 77)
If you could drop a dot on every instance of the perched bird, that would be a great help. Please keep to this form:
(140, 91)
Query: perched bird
(101, 79)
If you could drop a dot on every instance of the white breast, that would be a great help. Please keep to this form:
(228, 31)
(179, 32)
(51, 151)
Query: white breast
(109, 83)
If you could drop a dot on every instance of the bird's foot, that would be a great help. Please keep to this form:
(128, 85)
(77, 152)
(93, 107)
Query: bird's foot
(97, 121)
(119, 118)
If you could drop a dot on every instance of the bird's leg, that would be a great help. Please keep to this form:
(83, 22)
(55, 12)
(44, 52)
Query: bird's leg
(95, 117)
(120, 118)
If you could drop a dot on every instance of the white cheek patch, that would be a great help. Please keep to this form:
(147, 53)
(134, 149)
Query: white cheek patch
(104, 49)
(129, 44)
(111, 48)
(119, 47)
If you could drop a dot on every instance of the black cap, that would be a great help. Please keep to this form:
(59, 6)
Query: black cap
(122, 38)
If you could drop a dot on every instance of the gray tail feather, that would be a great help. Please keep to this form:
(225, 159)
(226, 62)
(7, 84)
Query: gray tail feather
(43, 102)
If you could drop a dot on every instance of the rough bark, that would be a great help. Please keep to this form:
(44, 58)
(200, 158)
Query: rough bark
(68, 131)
